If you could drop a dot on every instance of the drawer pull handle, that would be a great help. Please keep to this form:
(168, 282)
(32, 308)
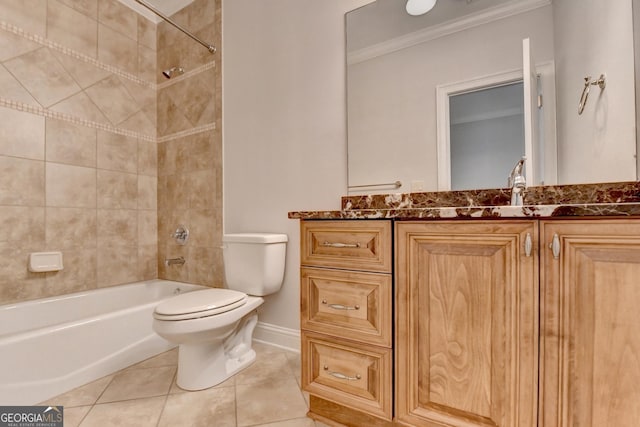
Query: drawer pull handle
(340, 306)
(342, 376)
(341, 245)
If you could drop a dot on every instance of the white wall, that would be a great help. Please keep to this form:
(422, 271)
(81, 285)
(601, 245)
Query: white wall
(593, 37)
(284, 123)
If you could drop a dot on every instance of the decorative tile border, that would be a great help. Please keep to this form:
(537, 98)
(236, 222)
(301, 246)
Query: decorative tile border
(45, 112)
(204, 128)
(74, 54)
(186, 75)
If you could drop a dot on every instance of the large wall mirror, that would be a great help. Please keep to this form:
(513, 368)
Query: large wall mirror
(400, 68)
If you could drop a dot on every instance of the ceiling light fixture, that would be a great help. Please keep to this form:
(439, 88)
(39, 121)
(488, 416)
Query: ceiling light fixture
(419, 7)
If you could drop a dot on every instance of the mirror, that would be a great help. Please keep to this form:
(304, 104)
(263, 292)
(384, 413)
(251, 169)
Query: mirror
(397, 62)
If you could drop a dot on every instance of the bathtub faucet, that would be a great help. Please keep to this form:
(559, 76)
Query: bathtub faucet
(172, 261)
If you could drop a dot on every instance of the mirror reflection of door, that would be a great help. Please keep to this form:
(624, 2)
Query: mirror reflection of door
(486, 136)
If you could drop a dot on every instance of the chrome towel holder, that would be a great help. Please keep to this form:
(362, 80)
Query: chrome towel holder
(601, 82)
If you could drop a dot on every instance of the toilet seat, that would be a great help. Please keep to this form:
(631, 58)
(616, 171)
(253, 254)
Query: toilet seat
(197, 304)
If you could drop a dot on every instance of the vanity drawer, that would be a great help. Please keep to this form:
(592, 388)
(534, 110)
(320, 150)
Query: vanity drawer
(352, 305)
(350, 374)
(353, 245)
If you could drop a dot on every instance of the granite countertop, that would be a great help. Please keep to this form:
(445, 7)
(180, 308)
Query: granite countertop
(585, 200)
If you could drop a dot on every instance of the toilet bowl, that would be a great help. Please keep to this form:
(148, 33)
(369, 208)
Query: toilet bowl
(214, 327)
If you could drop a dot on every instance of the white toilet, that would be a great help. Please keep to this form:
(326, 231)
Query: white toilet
(214, 327)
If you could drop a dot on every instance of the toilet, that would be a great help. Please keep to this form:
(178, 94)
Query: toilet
(214, 327)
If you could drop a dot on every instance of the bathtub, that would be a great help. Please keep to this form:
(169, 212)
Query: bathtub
(52, 345)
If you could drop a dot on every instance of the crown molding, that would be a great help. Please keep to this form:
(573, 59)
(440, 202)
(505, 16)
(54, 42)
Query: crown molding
(446, 28)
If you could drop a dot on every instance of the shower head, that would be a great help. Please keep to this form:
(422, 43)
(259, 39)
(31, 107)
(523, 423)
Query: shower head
(175, 71)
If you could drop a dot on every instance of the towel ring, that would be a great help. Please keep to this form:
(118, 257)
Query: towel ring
(587, 86)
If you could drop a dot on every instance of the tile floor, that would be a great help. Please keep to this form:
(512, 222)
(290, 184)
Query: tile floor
(266, 394)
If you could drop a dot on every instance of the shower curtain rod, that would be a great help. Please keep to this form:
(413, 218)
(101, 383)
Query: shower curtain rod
(209, 47)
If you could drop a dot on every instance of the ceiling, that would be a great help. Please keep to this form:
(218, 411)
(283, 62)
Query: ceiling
(168, 7)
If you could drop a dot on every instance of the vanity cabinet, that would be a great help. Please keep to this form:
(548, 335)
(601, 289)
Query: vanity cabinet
(470, 348)
(346, 320)
(590, 323)
(467, 323)
(504, 323)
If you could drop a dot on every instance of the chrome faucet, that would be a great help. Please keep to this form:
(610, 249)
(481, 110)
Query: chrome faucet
(517, 183)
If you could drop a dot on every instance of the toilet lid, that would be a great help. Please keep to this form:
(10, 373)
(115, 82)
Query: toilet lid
(208, 302)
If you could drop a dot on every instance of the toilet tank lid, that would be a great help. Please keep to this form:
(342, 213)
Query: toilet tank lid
(255, 238)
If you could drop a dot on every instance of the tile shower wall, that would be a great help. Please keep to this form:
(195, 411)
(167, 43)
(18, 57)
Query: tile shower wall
(190, 147)
(79, 141)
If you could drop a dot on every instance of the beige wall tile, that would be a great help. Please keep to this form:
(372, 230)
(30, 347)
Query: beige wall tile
(79, 273)
(86, 7)
(117, 227)
(147, 262)
(113, 100)
(71, 28)
(204, 266)
(22, 226)
(203, 193)
(84, 73)
(11, 89)
(117, 190)
(16, 282)
(139, 122)
(147, 68)
(147, 192)
(70, 186)
(179, 273)
(21, 182)
(147, 227)
(147, 158)
(147, 33)
(202, 224)
(30, 15)
(71, 228)
(202, 14)
(43, 76)
(117, 50)
(117, 152)
(174, 193)
(70, 143)
(117, 265)
(23, 136)
(81, 106)
(118, 17)
(12, 45)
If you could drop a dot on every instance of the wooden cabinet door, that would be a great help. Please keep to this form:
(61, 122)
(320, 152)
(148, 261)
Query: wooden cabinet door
(590, 324)
(467, 323)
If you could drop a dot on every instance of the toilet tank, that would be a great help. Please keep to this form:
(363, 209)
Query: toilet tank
(254, 262)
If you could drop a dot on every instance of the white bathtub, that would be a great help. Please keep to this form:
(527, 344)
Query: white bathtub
(52, 345)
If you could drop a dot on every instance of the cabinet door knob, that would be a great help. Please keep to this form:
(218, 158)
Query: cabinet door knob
(528, 245)
(555, 246)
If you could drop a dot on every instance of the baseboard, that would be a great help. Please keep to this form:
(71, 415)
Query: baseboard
(277, 336)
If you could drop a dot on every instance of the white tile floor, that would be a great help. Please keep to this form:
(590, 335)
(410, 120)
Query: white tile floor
(266, 394)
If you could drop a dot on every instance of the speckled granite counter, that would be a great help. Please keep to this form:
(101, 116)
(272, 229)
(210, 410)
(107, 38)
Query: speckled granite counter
(585, 200)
